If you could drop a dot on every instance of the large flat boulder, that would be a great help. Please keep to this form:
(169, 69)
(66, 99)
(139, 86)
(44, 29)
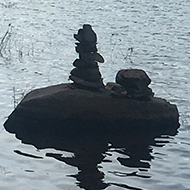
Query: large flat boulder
(77, 107)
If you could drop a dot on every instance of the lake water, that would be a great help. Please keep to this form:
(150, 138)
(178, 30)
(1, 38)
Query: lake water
(38, 51)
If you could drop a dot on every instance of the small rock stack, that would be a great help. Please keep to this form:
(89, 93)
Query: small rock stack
(86, 73)
(135, 82)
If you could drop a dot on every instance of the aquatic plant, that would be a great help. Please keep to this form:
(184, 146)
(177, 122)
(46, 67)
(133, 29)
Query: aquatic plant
(117, 52)
(129, 54)
(5, 40)
(11, 45)
(17, 96)
(8, 5)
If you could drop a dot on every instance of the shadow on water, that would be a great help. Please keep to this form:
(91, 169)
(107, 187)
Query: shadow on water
(92, 143)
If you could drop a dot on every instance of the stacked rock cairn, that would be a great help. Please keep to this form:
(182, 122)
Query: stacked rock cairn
(86, 73)
(130, 83)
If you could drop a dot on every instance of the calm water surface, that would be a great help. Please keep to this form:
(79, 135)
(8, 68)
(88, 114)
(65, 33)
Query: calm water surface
(39, 50)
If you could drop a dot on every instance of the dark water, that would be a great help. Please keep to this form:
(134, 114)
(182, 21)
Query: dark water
(39, 52)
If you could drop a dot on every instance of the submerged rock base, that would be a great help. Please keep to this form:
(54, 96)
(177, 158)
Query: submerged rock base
(64, 108)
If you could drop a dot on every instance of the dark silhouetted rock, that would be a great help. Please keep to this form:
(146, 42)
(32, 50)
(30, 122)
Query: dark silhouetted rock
(90, 74)
(86, 35)
(79, 63)
(135, 82)
(90, 110)
(88, 57)
(85, 48)
(86, 74)
(116, 89)
(90, 85)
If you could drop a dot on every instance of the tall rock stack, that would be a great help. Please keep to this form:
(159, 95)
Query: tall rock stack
(86, 73)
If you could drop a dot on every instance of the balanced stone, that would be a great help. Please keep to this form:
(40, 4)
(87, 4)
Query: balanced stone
(79, 63)
(86, 84)
(91, 57)
(135, 82)
(84, 48)
(90, 74)
(86, 35)
(116, 90)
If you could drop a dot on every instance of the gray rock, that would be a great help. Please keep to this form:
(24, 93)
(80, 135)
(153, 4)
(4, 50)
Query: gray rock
(90, 85)
(88, 74)
(86, 48)
(116, 89)
(64, 102)
(132, 78)
(88, 57)
(135, 82)
(82, 64)
(86, 35)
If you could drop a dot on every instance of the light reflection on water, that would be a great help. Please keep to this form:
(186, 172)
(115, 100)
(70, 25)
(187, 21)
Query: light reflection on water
(43, 31)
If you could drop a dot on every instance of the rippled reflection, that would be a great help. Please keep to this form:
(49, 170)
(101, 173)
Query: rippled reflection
(92, 145)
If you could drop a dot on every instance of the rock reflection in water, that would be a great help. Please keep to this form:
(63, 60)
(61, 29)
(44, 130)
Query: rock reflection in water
(91, 147)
